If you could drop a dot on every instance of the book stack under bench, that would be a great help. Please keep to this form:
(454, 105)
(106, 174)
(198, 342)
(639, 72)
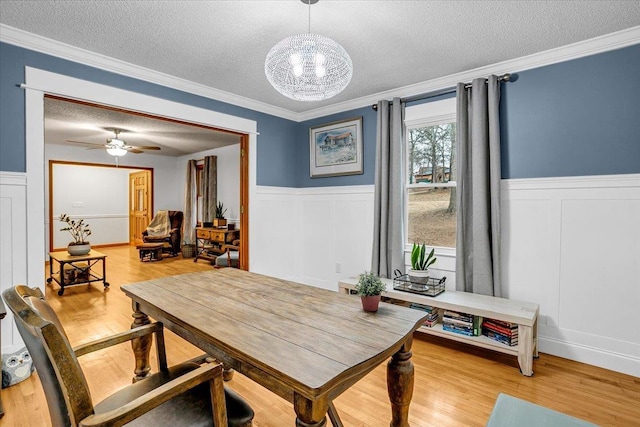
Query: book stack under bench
(434, 313)
(461, 323)
(504, 332)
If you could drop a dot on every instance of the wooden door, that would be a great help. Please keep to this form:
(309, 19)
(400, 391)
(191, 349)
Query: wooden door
(140, 206)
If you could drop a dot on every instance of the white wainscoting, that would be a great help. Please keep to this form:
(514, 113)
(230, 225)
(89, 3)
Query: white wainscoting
(573, 246)
(315, 236)
(13, 247)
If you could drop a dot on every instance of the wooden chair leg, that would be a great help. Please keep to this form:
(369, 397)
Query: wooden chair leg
(333, 416)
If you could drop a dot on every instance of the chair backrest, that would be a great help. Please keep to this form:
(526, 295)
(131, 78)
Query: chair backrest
(176, 218)
(64, 384)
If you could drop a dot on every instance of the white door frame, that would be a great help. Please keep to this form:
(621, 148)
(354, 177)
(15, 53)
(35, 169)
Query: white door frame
(38, 83)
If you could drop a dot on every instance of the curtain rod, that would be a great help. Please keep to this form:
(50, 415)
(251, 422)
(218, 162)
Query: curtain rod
(503, 78)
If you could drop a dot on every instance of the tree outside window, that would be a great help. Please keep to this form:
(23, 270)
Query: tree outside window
(431, 191)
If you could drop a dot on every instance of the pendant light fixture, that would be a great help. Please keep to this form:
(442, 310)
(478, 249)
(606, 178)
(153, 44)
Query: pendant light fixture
(308, 67)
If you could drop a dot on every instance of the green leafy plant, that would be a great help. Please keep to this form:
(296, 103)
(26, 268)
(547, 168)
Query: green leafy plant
(369, 284)
(419, 258)
(78, 229)
(220, 210)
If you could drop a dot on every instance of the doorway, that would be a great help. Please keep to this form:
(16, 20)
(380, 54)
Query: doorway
(38, 82)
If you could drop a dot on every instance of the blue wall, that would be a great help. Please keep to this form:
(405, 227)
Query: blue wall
(580, 117)
(576, 118)
(276, 150)
(303, 178)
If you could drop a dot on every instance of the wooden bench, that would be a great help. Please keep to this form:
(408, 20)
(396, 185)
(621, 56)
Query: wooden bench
(524, 314)
(150, 251)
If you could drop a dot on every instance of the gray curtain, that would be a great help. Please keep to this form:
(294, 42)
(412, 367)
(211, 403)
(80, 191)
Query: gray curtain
(209, 188)
(388, 239)
(478, 188)
(190, 208)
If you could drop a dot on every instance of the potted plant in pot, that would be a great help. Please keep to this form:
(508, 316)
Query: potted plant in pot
(420, 263)
(369, 287)
(219, 220)
(79, 231)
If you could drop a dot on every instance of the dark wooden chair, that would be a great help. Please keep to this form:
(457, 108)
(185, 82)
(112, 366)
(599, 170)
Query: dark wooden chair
(230, 257)
(188, 394)
(173, 240)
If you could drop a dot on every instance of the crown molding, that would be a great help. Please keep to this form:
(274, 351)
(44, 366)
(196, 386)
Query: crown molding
(580, 49)
(48, 46)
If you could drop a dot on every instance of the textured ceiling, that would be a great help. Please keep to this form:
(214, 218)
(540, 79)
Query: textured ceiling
(77, 122)
(223, 44)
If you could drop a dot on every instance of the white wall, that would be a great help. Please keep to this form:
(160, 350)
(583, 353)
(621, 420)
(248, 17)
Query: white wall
(98, 195)
(13, 247)
(312, 235)
(571, 245)
(104, 192)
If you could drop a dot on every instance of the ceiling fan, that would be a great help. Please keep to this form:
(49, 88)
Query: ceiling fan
(118, 147)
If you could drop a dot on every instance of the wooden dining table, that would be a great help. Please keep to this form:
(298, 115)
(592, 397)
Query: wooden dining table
(305, 344)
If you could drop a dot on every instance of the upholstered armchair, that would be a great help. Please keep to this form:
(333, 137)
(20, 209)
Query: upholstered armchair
(187, 394)
(173, 239)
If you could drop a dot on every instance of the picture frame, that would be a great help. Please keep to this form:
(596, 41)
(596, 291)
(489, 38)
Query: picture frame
(335, 148)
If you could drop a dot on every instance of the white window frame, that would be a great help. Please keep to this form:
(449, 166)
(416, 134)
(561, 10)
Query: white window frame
(419, 116)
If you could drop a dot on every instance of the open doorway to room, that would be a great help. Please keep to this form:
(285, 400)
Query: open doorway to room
(81, 132)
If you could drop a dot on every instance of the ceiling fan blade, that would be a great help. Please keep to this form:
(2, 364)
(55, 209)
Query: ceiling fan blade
(145, 147)
(134, 150)
(85, 143)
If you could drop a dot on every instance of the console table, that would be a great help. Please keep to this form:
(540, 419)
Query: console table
(524, 314)
(209, 241)
(76, 269)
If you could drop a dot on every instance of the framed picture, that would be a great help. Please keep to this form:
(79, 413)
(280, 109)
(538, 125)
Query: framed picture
(336, 148)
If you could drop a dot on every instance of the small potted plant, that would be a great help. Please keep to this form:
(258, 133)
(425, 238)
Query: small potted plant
(420, 263)
(79, 231)
(369, 287)
(219, 220)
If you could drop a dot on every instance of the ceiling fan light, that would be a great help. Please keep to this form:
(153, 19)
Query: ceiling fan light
(117, 142)
(116, 150)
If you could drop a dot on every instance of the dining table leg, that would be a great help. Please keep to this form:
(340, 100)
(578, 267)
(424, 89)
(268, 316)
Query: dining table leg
(141, 345)
(310, 413)
(400, 384)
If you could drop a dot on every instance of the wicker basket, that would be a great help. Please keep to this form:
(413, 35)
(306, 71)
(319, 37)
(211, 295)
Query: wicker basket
(188, 251)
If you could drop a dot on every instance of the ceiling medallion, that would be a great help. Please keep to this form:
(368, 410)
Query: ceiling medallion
(308, 67)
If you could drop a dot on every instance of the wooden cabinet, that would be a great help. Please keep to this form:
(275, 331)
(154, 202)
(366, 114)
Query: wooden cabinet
(209, 241)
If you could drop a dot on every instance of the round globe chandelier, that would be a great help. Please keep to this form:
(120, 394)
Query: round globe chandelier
(308, 67)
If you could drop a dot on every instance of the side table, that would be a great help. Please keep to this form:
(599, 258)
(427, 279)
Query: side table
(76, 270)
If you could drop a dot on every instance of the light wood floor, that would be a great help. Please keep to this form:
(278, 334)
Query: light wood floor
(455, 385)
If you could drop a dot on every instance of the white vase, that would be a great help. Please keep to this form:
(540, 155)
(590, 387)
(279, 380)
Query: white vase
(75, 250)
(419, 276)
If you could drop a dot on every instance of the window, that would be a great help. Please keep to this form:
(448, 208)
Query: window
(431, 173)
